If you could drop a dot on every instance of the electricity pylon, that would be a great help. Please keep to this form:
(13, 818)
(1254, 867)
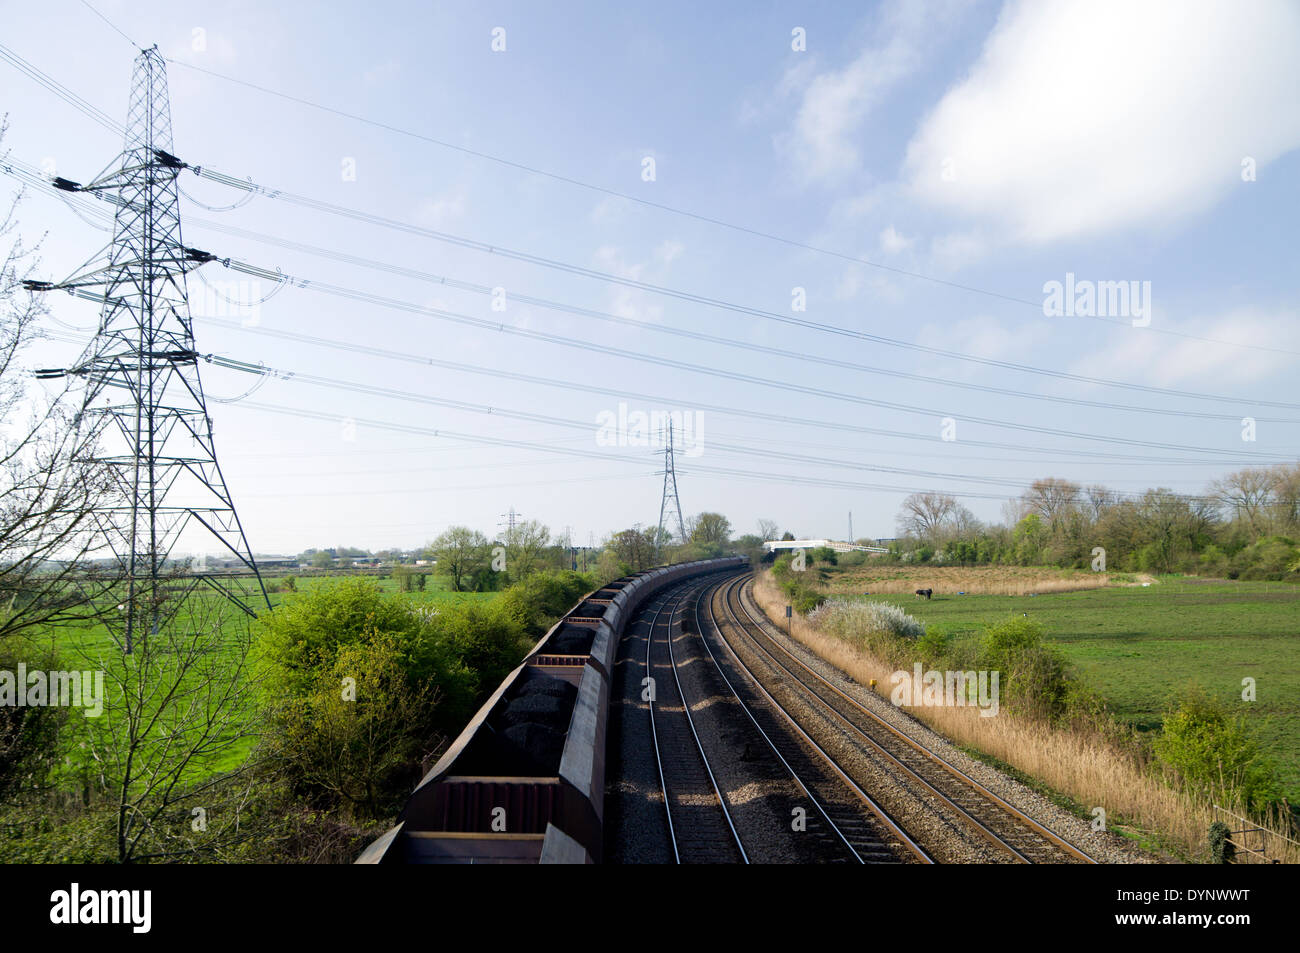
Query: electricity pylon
(143, 402)
(670, 492)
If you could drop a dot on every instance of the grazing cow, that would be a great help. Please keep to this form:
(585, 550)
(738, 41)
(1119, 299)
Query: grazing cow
(925, 592)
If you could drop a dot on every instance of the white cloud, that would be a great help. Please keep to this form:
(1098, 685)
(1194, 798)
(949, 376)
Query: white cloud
(669, 251)
(443, 210)
(823, 143)
(891, 242)
(1165, 360)
(1089, 115)
(623, 301)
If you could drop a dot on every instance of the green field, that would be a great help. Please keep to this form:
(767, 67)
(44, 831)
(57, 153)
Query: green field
(1138, 646)
(81, 647)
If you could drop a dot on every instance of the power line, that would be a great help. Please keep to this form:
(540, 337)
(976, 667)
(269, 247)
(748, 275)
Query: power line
(248, 185)
(660, 206)
(660, 328)
(110, 23)
(759, 475)
(23, 173)
(577, 386)
(595, 274)
(441, 314)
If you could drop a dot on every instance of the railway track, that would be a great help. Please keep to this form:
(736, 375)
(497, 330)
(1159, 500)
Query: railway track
(700, 826)
(845, 824)
(1006, 828)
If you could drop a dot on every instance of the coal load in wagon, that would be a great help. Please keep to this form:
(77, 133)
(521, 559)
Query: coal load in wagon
(589, 610)
(571, 639)
(525, 735)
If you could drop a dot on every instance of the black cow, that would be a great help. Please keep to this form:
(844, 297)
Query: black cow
(925, 592)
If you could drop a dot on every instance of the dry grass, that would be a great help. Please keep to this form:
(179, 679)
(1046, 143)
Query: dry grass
(1086, 769)
(976, 580)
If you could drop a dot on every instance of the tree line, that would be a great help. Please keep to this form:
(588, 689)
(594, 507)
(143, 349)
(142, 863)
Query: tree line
(1245, 525)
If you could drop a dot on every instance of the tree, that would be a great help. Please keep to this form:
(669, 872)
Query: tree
(525, 543)
(1247, 494)
(175, 713)
(767, 529)
(461, 552)
(923, 516)
(49, 488)
(633, 548)
(711, 528)
(321, 559)
(751, 546)
(1052, 499)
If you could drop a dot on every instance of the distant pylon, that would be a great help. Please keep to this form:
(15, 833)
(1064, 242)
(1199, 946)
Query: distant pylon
(511, 519)
(152, 426)
(670, 491)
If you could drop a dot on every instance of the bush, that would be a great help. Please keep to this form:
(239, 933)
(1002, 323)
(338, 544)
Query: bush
(933, 647)
(306, 635)
(1034, 679)
(1221, 849)
(1214, 754)
(543, 597)
(349, 740)
(884, 630)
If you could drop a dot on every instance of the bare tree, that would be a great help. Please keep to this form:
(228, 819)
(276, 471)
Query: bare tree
(767, 529)
(175, 712)
(1247, 495)
(1099, 500)
(49, 488)
(1286, 498)
(924, 515)
(1052, 499)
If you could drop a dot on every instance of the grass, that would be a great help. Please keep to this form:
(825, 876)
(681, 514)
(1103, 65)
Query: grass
(984, 580)
(78, 646)
(1135, 645)
(1139, 646)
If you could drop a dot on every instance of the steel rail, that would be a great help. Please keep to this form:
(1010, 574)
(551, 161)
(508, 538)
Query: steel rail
(987, 795)
(879, 812)
(676, 600)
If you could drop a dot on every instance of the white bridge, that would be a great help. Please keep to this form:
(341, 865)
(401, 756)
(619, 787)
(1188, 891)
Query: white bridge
(772, 545)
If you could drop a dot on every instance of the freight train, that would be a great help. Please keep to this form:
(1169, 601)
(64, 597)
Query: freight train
(525, 781)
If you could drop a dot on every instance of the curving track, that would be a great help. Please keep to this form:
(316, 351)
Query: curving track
(1007, 829)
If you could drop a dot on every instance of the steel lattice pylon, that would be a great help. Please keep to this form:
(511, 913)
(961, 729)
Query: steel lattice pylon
(670, 492)
(143, 397)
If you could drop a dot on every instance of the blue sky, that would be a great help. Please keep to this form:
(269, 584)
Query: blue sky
(994, 146)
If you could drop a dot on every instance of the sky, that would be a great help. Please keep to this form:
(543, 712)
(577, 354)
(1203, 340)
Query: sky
(864, 208)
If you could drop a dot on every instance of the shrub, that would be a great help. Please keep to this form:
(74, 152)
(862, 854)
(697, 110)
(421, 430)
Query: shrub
(1221, 849)
(933, 646)
(305, 636)
(1214, 754)
(348, 740)
(885, 630)
(1034, 677)
(545, 596)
